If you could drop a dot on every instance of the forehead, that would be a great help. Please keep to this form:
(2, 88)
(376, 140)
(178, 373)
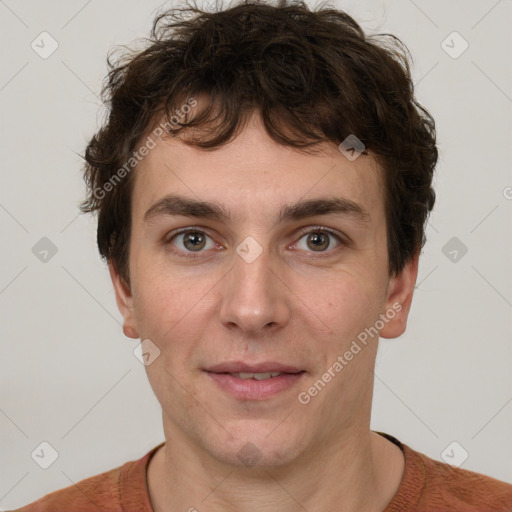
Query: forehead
(253, 171)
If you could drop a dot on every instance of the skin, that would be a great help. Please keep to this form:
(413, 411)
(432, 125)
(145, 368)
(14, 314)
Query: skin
(292, 304)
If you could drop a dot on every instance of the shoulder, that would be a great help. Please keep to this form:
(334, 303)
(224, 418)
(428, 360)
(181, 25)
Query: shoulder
(429, 485)
(99, 492)
(451, 488)
(121, 488)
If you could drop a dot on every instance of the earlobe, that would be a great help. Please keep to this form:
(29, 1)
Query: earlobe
(399, 299)
(124, 301)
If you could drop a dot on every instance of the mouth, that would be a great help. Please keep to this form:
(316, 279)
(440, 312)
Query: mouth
(256, 376)
(254, 382)
(263, 367)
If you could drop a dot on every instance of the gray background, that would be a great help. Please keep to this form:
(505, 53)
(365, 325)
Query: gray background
(68, 375)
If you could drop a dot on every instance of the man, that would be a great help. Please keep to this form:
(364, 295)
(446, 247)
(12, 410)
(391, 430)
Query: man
(262, 185)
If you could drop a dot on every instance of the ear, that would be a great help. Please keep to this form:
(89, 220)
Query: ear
(400, 291)
(124, 301)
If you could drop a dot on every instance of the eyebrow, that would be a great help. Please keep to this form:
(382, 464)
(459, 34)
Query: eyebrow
(174, 205)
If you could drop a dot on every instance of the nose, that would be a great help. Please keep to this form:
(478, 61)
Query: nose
(254, 298)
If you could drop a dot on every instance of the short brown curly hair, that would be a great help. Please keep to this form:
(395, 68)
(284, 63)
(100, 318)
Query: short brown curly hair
(313, 76)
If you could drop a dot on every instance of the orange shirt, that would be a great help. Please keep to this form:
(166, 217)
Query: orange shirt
(427, 486)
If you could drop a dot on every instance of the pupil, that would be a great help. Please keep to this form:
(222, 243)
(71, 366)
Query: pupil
(194, 241)
(318, 240)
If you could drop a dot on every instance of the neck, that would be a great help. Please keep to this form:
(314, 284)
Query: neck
(361, 472)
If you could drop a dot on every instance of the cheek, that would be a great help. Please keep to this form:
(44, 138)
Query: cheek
(171, 310)
(344, 302)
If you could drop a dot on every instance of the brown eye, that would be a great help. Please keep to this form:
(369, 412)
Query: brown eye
(192, 241)
(318, 241)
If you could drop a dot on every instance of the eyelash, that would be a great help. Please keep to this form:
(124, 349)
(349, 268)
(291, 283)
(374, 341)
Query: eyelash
(312, 229)
(320, 229)
(186, 254)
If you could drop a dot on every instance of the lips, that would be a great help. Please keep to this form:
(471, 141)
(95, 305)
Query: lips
(257, 376)
(260, 381)
(235, 367)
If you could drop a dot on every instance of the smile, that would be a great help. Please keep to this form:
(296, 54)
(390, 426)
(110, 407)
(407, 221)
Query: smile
(255, 385)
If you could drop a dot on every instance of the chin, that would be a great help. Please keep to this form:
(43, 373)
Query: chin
(258, 446)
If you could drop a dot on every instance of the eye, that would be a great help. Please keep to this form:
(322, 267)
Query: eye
(318, 240)
(192, 240)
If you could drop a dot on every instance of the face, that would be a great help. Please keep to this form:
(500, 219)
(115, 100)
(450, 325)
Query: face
(257, 258)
